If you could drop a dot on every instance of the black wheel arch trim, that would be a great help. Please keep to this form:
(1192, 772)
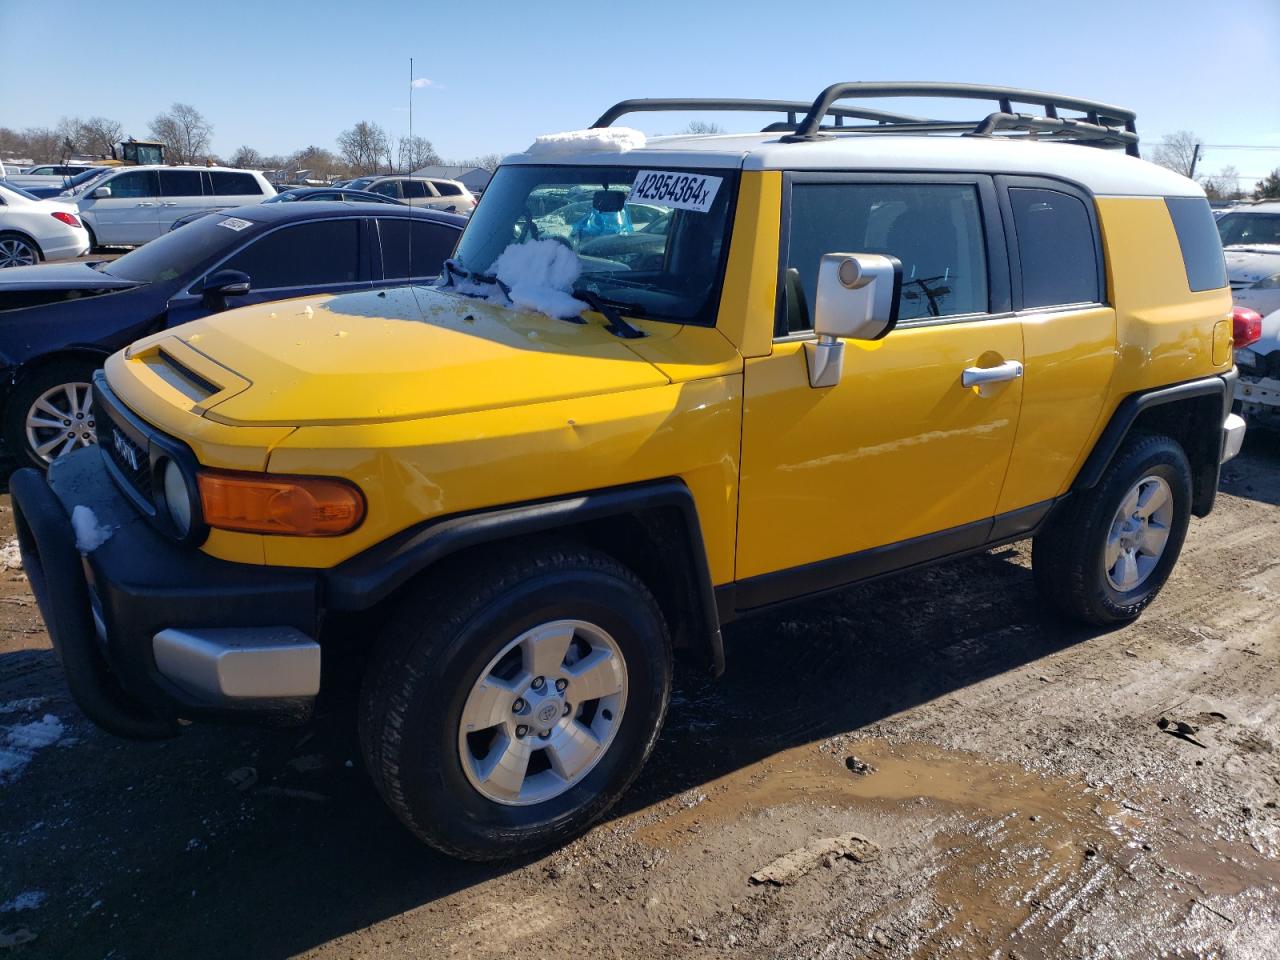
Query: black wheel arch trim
(370, 577)
(1221, 385)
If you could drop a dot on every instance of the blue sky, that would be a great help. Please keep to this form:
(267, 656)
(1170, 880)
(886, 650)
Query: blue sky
(278, 76)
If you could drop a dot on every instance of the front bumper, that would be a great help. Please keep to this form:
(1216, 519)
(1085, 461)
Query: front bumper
(149, 630)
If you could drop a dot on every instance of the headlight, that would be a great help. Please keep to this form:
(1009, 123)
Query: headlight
(1267, 283)
(177, 498)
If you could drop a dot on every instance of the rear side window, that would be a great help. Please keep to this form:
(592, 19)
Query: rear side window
(1055, 247)
(180, 183)
(1198, 237)
(934, 229)
(446, 189)
(432, 243)
(306, 255)
(227, 184)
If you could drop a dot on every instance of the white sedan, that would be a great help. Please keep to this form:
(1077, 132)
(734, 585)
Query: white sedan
(34, 230)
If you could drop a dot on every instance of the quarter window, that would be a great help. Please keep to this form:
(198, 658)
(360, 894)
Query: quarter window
(308, 254)
(1055, 247)
(1198, 238)
(934, 229)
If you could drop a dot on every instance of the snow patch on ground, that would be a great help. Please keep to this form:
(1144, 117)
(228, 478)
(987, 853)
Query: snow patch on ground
(10, 556)
(540, 275)
(28, 900)
(90, 534)
(23, 704)
(22, 742)
(599, 140)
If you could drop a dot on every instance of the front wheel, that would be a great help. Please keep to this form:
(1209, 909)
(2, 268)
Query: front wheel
(50, 412)
(511, 705)
(1106, 555)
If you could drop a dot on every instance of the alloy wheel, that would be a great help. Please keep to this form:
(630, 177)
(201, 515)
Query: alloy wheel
(1139, 533)
(543, 712)
(60, 420)
(15, 252)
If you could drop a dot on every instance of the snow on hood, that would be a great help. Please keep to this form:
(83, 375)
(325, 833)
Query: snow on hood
(574, 142)
(540, 275)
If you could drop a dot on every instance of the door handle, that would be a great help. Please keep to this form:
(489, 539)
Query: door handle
(169, 203)
(982, 377)
(144, 203)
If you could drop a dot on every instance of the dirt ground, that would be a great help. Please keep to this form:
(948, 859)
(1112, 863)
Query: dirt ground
(1020, 796)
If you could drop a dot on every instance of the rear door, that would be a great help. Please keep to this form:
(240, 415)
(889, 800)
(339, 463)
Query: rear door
(233, 188)
(131, 215)
(412, 250)
(181, 193)
(318, 256)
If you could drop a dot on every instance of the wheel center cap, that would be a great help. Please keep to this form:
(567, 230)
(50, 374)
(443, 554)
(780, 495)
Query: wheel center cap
(547, 714)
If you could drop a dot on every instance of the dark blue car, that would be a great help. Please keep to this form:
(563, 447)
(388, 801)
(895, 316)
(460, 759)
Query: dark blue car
(58, 322)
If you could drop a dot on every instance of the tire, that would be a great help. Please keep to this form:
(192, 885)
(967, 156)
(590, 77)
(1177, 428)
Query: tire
(51, 382)
(423, 685)
(93, 240)
(17, 250)
(1072, 559)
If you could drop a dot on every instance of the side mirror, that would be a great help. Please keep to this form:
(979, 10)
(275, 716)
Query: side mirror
(857, 299)
(101, 192)
(225, 283)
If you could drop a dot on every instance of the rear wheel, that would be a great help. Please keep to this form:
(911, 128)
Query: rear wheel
(50, 412)
(17, 251)
(511, 705)
(1106, 555)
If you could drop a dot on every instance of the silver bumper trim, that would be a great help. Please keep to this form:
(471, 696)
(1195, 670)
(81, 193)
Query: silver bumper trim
(255, 663)
(1232, 436)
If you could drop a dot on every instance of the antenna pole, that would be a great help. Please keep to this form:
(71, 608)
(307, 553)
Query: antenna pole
(409, 226)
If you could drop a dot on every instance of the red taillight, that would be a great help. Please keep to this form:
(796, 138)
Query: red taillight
(1246, 326)
(70, 219)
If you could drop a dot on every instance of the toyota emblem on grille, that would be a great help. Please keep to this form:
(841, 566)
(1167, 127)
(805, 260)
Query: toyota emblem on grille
(128, 452)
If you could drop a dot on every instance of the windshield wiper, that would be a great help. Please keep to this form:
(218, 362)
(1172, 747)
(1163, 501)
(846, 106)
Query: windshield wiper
(617, 324)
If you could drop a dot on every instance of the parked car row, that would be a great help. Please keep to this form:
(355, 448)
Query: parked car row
(1251, 241)
(58, 322)
(32, 230)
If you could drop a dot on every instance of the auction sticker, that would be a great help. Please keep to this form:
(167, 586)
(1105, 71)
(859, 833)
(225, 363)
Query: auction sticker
(686, 191)
(235, 223)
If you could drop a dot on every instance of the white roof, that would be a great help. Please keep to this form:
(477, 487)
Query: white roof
(1105, 172)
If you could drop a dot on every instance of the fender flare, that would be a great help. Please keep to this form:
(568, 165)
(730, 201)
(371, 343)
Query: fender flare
(373, 575)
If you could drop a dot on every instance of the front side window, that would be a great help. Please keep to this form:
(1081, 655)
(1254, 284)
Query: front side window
(668, 268)
(305, 255)
(387, 188)
(935, 230)
(1055, 247)
(134, 184)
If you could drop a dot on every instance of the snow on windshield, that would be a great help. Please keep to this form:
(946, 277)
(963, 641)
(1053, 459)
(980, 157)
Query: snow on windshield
(540, 275)
(599, 140)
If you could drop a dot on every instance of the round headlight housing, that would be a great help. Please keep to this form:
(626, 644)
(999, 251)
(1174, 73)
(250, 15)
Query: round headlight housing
(177, 498)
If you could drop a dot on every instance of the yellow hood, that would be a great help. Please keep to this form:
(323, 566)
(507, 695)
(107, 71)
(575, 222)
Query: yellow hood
(400, 354)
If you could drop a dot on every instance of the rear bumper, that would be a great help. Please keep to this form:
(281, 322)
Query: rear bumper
(1258, 398)
(150, 631)
(66, 248)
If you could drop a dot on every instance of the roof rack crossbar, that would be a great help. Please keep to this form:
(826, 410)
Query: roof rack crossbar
(792, 109)
(1059, 127)
(1102, 123)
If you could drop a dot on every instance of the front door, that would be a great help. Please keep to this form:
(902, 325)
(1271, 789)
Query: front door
(900, 454)
(131, 215)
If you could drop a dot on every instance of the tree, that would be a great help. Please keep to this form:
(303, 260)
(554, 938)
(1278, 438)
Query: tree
(1225, 185)
(184, 131)
(364, 146)
(1268, 188)
(319, 163)
(416, 153)
(43, 143)
(247, 158)
(488, 161)
(702, 128)
(69, 136)
(99, 136)
(1177, 152)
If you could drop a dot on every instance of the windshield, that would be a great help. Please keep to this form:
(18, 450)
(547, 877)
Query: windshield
(360, 183)
(175, 254)
(1249, 228)
(651, 242)
(81, 183)
(80, 179)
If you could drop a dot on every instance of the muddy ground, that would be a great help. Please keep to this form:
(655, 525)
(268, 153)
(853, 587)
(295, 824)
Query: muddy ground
(1010, 771)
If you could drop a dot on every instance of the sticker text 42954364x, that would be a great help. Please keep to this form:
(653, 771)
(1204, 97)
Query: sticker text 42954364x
(685, 191)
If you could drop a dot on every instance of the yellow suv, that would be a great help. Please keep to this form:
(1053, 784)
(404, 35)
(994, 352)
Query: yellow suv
(663, 384)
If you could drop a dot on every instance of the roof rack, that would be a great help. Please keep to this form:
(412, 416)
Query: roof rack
(792, 108)
(1102, 124)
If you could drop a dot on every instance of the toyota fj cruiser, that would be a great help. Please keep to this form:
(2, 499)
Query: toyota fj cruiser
(661, 386)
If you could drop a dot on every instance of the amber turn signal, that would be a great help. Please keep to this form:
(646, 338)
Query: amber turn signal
(288, 506)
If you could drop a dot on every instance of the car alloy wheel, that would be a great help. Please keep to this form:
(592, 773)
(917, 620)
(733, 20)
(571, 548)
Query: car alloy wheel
(16, 252)
(543, 712)
(1139, 533)
(60, 420)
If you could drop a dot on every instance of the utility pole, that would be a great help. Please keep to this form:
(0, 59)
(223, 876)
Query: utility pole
(1195, 158)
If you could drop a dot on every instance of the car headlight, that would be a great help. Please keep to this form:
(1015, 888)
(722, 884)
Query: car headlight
(177, 498)
(1267, 283)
